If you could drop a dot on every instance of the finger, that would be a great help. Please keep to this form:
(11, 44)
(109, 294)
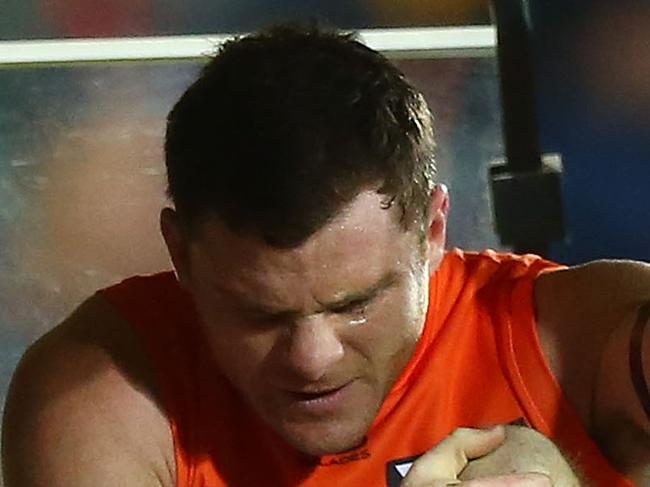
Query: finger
(450, 456)
(513, 480)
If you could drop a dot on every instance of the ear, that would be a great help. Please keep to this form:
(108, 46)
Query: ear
(437, 235)
(177, 243)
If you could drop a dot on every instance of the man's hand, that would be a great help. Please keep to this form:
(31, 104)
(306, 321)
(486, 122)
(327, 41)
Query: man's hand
(508, 456)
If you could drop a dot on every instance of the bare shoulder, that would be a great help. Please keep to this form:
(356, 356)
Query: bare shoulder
(577, 311)
(82, 409)
(603, 284)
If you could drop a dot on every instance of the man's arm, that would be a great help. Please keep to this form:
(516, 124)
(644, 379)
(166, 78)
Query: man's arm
(593, 331)
(81, 410)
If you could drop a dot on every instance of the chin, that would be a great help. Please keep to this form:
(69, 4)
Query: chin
(314, 444)
(317, 437)
(324, 428)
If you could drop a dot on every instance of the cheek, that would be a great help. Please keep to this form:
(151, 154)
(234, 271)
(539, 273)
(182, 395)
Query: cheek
(394, 328)
(238, 351)
(409, 306)
(416, 296)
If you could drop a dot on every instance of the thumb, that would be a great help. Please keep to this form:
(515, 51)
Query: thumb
(447, 459)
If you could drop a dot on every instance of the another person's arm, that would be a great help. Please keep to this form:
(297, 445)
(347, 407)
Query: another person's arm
(597, 339)
(80, 411)
(490, 458)
(524, 451)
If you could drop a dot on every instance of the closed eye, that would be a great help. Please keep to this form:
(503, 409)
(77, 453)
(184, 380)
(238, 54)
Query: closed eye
(352, 306)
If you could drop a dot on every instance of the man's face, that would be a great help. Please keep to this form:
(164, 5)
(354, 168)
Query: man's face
(313, 337)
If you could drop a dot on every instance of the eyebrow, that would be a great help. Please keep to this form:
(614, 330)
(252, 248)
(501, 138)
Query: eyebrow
(386, 282)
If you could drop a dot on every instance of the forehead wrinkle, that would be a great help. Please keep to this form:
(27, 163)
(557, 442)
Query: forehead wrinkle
(264, 291)
(276, 286)
(247, 300)
(339, 299)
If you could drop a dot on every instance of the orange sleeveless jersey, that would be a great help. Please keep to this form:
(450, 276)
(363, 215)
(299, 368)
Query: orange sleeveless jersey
(478, 363)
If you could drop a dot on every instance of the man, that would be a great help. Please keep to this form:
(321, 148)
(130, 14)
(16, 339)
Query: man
(315, 331)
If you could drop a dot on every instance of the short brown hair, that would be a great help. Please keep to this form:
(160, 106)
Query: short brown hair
(285, 127)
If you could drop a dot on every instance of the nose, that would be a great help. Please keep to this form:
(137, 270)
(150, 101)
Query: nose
(314, 347)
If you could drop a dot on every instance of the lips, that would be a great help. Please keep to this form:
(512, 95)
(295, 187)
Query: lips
(321, 402)
(308, 395)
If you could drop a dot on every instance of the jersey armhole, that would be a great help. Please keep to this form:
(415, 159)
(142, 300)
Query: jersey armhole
(537, 389)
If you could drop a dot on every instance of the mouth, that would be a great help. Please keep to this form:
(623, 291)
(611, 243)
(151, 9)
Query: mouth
(316, 394)
(322, 401)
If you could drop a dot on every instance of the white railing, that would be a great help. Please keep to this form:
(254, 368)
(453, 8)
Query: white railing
(404, 42)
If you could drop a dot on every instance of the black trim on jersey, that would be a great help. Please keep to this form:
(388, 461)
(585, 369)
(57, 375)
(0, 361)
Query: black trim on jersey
(520, 422)
(393, 476)
(636, 359)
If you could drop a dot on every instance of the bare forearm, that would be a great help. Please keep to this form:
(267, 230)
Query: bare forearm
(525, 450)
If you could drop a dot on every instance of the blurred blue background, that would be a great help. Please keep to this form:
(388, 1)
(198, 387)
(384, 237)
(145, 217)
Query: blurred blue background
(592, 60)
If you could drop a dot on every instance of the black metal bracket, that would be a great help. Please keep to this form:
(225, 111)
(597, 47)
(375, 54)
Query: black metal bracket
(528, 205)
(526, 188)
